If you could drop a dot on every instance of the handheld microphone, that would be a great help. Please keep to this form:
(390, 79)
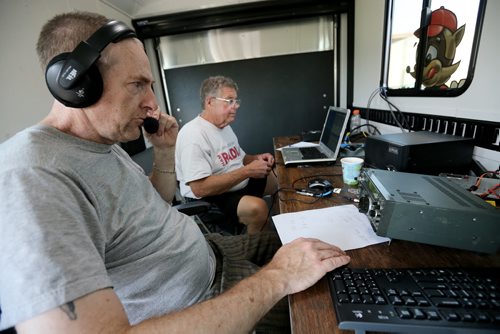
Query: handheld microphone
(151, 125)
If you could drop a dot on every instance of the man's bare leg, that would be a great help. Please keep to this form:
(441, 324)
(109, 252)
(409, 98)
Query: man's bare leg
(252, 211)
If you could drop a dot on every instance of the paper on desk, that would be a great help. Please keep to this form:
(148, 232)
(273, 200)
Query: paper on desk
(300, 144)
(343, 226)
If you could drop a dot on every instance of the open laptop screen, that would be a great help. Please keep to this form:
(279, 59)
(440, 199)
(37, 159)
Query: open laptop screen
(332, 136)
(334, 128)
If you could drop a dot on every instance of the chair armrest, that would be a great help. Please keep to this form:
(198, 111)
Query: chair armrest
(193, 208)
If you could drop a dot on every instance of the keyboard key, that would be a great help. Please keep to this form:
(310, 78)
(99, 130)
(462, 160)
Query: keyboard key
(395, 300)
(495, 303)
(451, 316)
(349, 282)
(433, 315)
(482, 304)
(433, 285)
(404, 292)
(464, 293)
(467, 303)
(352, 290)
(355, 299)
(445, 302)
(392, 292)
(434, 293)
(419, 314)
(468, 317)
(364, 291)
(367, 299)
(483, 317)
(421, 301)
(404, 314)
(451, 293)
(408, 301)
(339, 286)
(343, 298)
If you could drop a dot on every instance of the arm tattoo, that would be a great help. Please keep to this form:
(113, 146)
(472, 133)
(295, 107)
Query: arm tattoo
(69, 309)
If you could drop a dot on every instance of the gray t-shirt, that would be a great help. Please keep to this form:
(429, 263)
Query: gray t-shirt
(76, 217)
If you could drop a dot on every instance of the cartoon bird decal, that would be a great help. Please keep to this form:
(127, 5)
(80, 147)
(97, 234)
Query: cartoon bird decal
(443, 39)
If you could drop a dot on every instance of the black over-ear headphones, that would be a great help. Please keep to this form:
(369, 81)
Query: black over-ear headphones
(318, 188)
(73, 78)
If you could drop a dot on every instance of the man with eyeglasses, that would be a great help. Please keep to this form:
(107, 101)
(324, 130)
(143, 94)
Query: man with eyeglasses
(210, 163)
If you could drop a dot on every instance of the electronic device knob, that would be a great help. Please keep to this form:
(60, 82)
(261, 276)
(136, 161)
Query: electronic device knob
(364, 204)
(362, 177)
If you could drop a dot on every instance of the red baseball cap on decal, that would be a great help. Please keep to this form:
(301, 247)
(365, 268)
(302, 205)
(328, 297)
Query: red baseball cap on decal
(440, 18)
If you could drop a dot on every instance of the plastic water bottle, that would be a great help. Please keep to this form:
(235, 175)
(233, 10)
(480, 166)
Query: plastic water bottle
(355, 121)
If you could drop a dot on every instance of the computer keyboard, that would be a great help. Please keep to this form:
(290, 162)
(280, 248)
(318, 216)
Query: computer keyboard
(450, 300)
(311, 153)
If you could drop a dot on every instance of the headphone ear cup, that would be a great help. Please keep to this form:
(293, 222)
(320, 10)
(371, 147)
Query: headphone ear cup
(86, 91)
(320, 187)
(320, 184)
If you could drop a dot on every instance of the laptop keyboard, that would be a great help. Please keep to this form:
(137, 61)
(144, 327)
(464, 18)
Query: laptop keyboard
(311, 153)
(417, 300)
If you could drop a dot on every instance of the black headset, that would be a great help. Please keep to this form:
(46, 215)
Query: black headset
(73, 77)
(318, 188)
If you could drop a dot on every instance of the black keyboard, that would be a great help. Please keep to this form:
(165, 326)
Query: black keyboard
(448, 300)
(311, 153)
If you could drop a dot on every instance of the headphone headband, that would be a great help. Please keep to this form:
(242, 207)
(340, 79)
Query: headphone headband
(88, 52)
(113, 31)
(73, 78)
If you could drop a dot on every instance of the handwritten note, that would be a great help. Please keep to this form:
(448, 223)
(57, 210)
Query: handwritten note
(343, 226)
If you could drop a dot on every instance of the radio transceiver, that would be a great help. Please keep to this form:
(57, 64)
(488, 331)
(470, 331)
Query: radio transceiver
(428, 209)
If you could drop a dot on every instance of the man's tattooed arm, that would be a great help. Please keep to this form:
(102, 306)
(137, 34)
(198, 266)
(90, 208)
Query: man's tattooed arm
(69, 309)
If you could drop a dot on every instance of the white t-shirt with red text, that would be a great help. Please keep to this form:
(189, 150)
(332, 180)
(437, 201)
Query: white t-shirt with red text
(202, 149)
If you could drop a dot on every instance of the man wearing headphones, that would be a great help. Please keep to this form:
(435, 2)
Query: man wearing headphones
(90, 244)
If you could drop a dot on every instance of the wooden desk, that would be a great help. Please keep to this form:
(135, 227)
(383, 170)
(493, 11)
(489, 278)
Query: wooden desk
(311, 311)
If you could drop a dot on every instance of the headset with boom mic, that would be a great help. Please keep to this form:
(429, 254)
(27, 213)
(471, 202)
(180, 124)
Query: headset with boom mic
(73, 77)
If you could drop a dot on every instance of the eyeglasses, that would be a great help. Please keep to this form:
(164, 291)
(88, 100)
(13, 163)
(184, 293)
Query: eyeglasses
(230, 102)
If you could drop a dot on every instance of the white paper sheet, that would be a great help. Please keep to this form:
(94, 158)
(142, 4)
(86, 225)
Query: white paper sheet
(343, 226)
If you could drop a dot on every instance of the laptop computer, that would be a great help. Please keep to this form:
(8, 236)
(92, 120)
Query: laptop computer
(332, 136)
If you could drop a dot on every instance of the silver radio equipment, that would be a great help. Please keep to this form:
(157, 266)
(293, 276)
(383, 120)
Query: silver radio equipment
(428, 209)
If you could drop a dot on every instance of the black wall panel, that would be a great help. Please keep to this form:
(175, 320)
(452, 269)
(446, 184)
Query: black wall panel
(281, 95)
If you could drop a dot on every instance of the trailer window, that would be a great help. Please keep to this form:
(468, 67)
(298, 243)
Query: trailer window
(449, 30)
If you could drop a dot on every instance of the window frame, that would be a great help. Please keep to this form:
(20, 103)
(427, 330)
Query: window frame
(425, 17)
